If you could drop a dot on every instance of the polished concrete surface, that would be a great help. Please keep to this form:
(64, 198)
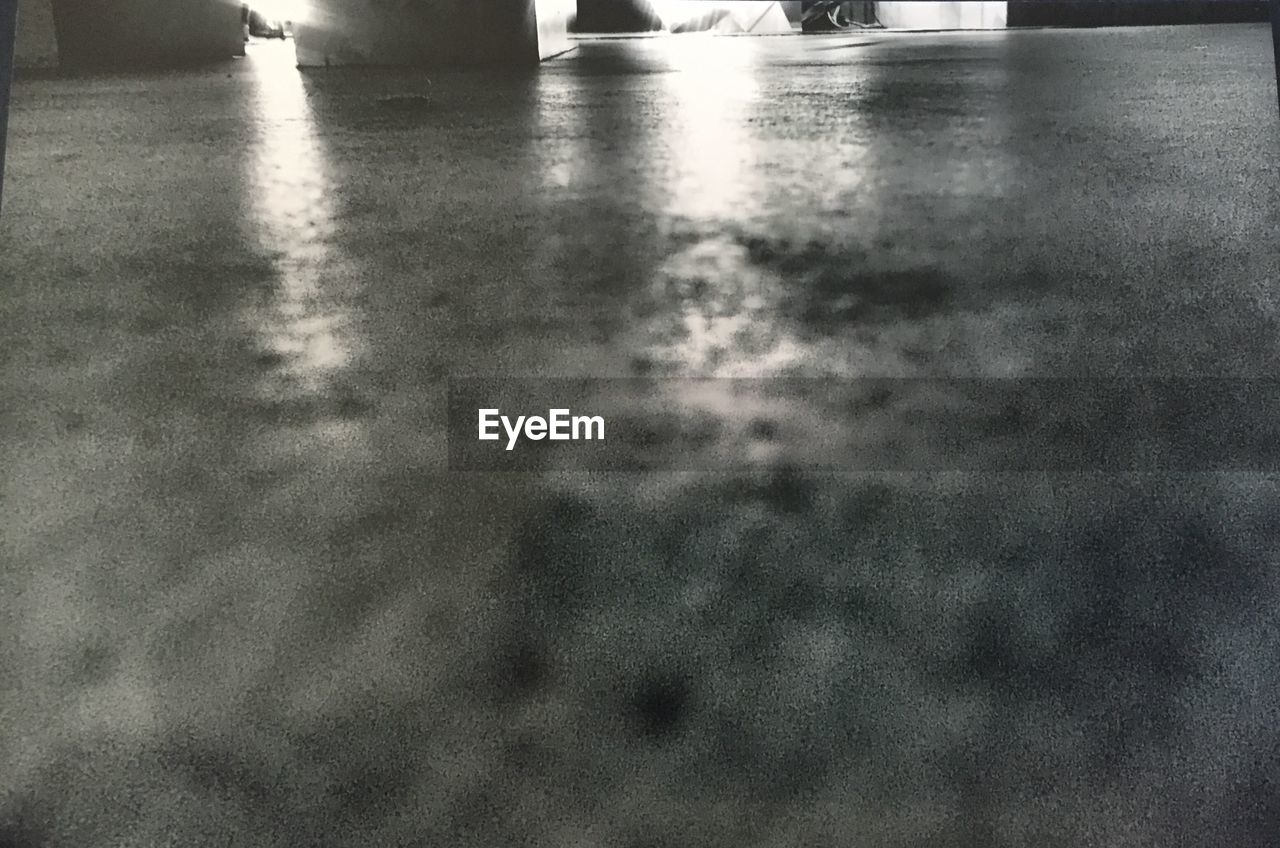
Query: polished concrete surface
(244, 602)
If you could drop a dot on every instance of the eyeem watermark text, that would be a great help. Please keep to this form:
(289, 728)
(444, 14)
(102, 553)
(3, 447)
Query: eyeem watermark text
(560, 425)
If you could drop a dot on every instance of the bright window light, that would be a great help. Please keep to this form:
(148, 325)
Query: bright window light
(281, 10)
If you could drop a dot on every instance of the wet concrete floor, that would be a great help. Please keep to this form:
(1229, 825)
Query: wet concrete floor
(244, 600)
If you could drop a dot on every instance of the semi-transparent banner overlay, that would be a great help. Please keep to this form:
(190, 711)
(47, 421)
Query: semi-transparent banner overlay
(942, 424)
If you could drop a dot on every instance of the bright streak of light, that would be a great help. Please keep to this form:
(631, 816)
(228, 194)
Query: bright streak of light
(294, 212)
(282, 10)
(712, 92)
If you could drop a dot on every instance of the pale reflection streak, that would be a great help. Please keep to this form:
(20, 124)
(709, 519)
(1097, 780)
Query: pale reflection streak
(720, 315)
(562, 155)
(304, 326)
(713, 154)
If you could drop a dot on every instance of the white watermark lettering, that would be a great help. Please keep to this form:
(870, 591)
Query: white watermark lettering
(560, 425)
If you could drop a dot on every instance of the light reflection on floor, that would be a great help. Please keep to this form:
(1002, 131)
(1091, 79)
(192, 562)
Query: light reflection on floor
(722, 319)
(306, 328)
(715, 318)
(712, 92)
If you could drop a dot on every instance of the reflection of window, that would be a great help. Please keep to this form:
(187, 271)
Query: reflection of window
(295, 219)
(708, 134)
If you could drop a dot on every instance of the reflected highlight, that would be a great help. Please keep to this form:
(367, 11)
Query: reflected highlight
(305, 325)
(712, 151)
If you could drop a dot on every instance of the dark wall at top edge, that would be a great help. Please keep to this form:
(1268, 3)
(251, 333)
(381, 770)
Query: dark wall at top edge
(1099, 13)
(615, 16)
(132, 33)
